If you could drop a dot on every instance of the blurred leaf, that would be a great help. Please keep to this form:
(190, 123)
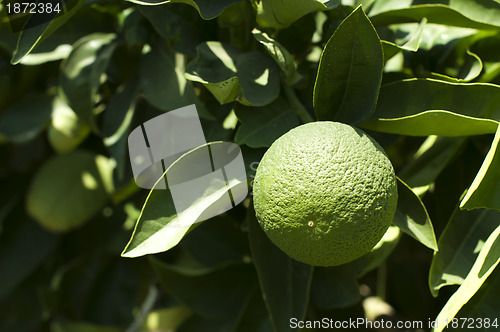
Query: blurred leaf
(163, 82)
(477, 14)
(335, 287)
(208, 9)
(261, 126)
(82, 327)
(285, 283)
(411, 42)
(22, 250)
(66, 131)
(81, 72)
(280, 14)
(484, 192)
(486, 262)
(254, 318)
(459, 246)
(30, 37)
(250, 78)
(24, 120)
(215, 293)
(166, 319)
(35, 59)
(69, 189)
(182, 35)
(484, 304)
(280, 55)
(411, 216)
(380, 252)
(160, 226)
(350, 72)
(421, 107)
(432, 157)
(217, 242)
(116, 124)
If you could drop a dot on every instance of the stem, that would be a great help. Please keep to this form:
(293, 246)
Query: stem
(382, 281)
(297, 104)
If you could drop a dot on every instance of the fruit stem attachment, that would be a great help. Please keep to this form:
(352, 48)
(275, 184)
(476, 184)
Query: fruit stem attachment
(297, 104)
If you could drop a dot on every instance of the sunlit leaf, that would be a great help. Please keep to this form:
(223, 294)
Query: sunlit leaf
(249, 78)
(81, 72)
(422, 107)
(379, 252)
(350, 72)
(459, 245)
(484, 192)
(280, 14)
(411, 216)
(486, 262)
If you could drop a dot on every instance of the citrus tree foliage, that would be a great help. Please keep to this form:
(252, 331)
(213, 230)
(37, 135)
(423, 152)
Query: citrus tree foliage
(83, 248)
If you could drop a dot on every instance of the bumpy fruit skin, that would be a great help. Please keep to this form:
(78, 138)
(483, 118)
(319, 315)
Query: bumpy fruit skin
(325, 193)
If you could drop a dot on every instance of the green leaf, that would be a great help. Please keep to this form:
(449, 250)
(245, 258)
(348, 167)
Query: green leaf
(182, 35)
(285, 283)
(66, 130)
(422, 107)
(249, 78)
(280, 54)
(163, 82)
(335, 287)
(459, 245)
(280, 14)
(350, 72)
(83, 327)
(26, 243)
(31, 37)
(70, 189)
(484, 192)
(208, 9)
(160, 227)
(476, 14)
(431, 158)
(24, 120)
(411, 216)
(380, 252)
(216, 293)
(261, 126)
(486, 262)
(166, 319)
(410, 43)
(81, 73)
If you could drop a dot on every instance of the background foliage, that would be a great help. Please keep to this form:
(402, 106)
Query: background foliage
(422, 77)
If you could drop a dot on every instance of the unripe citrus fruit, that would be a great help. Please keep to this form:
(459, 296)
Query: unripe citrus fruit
(325, 193)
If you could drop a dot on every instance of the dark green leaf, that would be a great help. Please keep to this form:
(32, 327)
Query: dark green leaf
(212, 293)
(486, 262)
(249, 78)
(208, 9)
(484, 192)
(421, 107)
(279, 14)
(261, 126)
(163, 82)
(81, 73)
(411, 216)
(335, 287)
(459, 244)
(24, 120)
(350, 72)
(22, 250)
(69, 189)
(31, 37)
(476, 14)
(285, 283)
